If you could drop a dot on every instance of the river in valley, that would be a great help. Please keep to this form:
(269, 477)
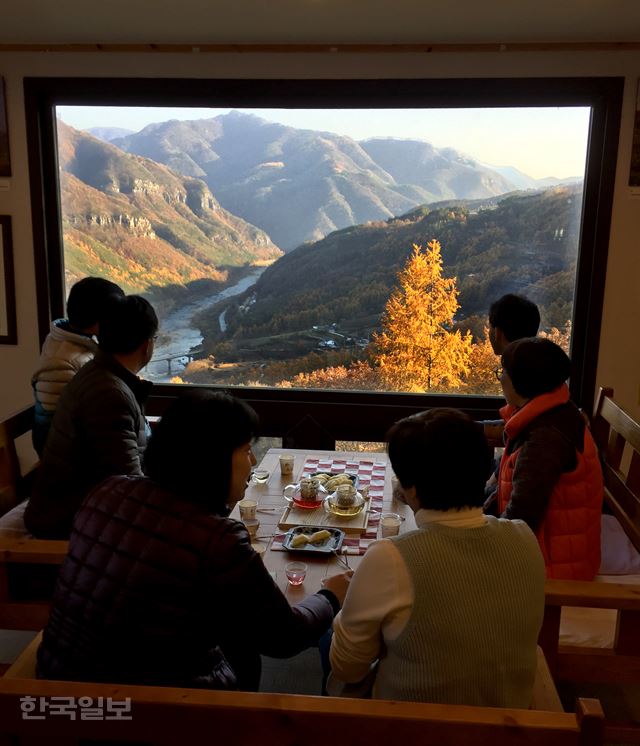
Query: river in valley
(178, 335)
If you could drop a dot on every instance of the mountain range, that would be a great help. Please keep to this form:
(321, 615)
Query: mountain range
(300, 185)
(142, 225)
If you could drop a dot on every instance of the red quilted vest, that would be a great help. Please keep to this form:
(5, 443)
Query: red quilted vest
(569, 535)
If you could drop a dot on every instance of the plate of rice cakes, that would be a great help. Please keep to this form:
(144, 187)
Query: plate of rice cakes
(331, 481)
(313, 539)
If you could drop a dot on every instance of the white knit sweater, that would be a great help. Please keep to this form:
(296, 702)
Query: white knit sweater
(451, 611)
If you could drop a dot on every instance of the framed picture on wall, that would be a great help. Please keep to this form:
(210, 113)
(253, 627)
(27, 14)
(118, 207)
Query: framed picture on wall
(8, 328)
(5, 161)
(634, 171)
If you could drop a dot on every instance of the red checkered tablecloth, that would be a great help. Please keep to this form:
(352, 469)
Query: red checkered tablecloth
(371, 474)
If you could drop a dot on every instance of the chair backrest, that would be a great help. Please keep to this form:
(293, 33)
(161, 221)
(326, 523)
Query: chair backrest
(158, 716)
(617, 436)
(13, 484)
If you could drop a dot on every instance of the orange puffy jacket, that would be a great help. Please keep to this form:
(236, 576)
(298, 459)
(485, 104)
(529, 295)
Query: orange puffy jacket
(550, 476)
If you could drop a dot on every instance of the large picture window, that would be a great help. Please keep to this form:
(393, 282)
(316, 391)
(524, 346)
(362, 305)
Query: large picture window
(341, 235)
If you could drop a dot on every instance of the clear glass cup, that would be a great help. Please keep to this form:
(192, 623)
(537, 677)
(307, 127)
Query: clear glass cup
(390, 524)
(260, 476)
(295, 572)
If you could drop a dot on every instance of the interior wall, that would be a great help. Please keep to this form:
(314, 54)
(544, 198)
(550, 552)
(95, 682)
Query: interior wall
(619, 357)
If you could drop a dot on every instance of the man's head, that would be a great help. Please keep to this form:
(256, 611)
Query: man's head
(532, 367)
(441, 458)
(127, 330)
(86, 301)
(512, 317)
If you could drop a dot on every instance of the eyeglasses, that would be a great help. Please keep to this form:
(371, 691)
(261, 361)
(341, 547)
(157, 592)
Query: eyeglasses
(499, 371)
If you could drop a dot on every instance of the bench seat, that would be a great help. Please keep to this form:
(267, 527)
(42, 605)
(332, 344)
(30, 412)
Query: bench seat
(12, 523)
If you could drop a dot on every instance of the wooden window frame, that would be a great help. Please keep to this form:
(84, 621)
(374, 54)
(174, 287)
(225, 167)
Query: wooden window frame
(347, 415)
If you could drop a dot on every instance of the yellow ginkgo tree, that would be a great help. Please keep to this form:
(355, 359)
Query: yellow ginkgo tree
(417, 348)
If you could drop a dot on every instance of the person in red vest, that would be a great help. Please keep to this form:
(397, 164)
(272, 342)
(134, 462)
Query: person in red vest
(550, 475)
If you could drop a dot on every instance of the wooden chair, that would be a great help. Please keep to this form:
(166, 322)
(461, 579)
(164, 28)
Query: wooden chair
(15, 546)
(618, 438)
(14, 485)
(616, 432)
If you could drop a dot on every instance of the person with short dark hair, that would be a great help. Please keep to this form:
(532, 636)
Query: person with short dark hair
(512, 317)
(99, 428)
(550, 475)
(69, 345)
(449, 612)
(170, 590)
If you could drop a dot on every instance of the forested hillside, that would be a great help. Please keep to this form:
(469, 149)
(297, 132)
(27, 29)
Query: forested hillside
(526, 243)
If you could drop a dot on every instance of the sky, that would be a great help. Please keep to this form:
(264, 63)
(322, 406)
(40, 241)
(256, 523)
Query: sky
(549, 141)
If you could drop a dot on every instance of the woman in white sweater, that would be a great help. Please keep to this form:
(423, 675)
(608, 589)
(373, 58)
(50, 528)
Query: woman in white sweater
(450, 612)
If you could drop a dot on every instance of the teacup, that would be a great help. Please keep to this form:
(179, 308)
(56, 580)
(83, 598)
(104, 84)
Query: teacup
(247, 509)
(286, 465)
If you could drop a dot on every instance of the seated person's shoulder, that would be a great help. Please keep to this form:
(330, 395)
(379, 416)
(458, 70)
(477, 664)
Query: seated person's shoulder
(227, 543)
(96, 383)
(565, 421)
(514, 529)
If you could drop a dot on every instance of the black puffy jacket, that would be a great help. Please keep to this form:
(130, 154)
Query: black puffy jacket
(153, 583)
(98, 431)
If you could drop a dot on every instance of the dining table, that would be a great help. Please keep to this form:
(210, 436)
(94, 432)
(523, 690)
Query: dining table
(372, 468)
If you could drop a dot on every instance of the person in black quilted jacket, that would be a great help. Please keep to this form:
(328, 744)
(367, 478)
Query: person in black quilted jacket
(99, 428)
(159, 586)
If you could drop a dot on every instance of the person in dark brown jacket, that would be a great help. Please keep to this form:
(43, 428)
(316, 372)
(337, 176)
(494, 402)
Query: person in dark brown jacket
(99, 428)
(159, 586)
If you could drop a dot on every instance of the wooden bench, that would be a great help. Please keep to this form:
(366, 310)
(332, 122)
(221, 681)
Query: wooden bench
(162, 715)
(16, 547)
(165, 716)
(26, 614)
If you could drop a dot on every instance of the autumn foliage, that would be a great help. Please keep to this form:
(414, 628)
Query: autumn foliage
(417, 348)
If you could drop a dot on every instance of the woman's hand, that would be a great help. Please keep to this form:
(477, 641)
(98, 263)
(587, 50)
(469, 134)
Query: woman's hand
(338, 584)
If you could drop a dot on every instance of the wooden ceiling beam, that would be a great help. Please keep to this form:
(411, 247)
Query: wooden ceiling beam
(356, 48)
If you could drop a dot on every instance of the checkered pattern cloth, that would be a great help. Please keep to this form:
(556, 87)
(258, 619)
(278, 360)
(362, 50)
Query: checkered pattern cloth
(369, 473)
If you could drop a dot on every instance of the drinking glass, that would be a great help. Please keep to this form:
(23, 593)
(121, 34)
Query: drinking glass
(252, 525)
(259, 549)
(390, 524)
(260, 476)
(295, 572)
